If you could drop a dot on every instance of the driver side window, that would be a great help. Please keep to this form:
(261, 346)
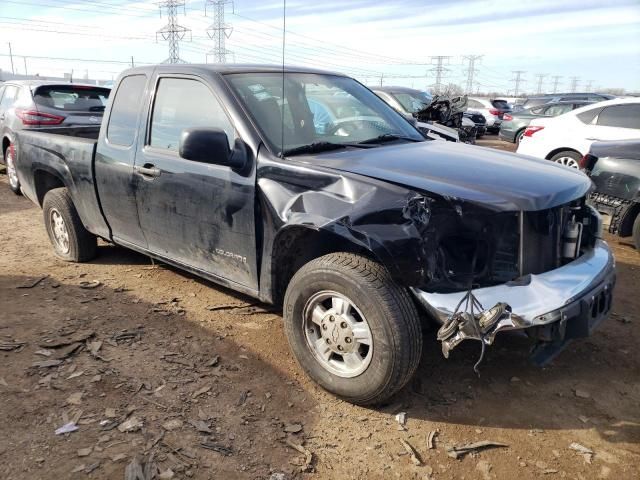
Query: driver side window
(184, 103)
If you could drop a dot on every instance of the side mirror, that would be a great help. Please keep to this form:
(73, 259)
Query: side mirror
(208, 145)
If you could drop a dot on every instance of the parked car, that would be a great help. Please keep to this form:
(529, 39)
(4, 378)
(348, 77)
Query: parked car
(479, 121)
(409, 101)
(350, 226)
(538, 100)
(614, 168)
(514, 123)
(34, 104)
(492, 110)
(566, 139)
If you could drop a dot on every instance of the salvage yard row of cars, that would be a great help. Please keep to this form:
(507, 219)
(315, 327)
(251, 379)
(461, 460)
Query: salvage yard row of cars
(304, 189)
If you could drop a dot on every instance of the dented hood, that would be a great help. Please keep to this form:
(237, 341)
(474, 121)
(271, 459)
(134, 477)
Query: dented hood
(499, 180)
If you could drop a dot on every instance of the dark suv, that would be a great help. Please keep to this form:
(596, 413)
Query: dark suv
(36, 104)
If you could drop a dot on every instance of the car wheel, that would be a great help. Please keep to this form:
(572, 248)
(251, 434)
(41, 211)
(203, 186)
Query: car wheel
(636, 232)
(352, 328)
(71, 241)
(568, 158)
(12, 173)
(519, 136)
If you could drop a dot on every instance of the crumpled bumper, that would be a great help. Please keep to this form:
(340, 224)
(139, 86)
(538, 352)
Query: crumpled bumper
(568, 302)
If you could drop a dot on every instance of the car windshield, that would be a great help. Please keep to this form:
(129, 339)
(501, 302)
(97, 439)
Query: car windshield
(502, 104)
(318, 110)
(413, 102)
(79, 98)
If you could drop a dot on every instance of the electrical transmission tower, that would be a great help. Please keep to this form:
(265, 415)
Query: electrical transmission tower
(471, 70)
(439, 70)
(517, 80)
(219, 31)
(172, 32)
(540, 77)
(589, 85)
(556, 81)
(574, 84)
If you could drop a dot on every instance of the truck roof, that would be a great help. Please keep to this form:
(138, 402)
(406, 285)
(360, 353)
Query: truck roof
(227, 68)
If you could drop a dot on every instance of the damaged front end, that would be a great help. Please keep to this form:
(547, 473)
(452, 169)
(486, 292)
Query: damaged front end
(545, 272)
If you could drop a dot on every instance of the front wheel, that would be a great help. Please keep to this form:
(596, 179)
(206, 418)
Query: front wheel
(71, 241)
(352, 328)
(568, 158)
(636, 232)
(12, 173)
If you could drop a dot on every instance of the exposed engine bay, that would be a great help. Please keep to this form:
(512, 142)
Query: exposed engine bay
(450, 113)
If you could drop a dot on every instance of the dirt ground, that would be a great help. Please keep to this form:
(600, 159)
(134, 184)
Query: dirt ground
(216, 394)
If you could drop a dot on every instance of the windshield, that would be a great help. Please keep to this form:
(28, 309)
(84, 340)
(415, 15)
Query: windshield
(413, 102)
(316, 109)
(79, 98)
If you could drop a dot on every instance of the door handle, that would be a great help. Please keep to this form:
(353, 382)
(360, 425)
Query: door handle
(148, 170)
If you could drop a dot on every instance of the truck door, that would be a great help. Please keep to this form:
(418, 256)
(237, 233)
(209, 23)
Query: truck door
(115, 155)
(196, 213)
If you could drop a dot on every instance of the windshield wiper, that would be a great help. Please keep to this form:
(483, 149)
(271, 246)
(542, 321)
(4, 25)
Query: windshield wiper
(317, 147)
(389, 137)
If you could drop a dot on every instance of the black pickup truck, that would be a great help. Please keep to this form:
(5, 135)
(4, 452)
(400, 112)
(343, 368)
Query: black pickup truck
(304, 189)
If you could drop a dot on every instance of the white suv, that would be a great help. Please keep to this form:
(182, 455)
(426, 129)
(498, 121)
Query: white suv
(567, 138)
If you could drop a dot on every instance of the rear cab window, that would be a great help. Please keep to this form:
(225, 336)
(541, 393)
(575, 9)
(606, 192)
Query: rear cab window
(501, 104)
(77, 98)
(123, 120)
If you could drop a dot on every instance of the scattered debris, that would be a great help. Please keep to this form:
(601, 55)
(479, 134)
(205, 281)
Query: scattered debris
(201, 426)
(43, 352)
(118, 457)
(85, 452)
(201, 391)
(140, 470)
(132, 334)
(214, 361)
(431, 439)
(308, 456)
(79, 373)
(166, 475)
(581, 393)
(87, 285)
(8, 346)
(131, 425)
(583, 419)
(243, 398)
(413, 455)
(33, 282)
(586, 453)
(217, 447)
(68, 350)
(293, 428)
(63, 341)
(459, 451)
(401, 418)
(46, 363)
(172, 424)
(227, 306)
(75, 398)
(67, 428)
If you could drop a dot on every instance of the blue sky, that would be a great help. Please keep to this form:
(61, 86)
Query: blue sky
(373, 41)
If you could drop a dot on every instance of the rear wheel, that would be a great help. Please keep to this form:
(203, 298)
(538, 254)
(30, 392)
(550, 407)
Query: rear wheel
(519, 136)
(12, 173)
(568, 158)
(71, 241)
(636, 232)
(352, 328)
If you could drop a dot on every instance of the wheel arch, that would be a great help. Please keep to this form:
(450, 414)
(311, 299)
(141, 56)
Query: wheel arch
(626, 225)
(45, 180)
(562, 149)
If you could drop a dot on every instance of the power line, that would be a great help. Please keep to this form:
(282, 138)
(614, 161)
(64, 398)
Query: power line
(219, 31)
(439, 70)
(471, 70)
(172, 32)
(540, 77)
(517, 81)
(556, 81)
(574, 84)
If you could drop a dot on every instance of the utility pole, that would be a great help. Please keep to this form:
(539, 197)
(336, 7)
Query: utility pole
(588, 87)
(219, 31)
(540, 77)
(132, 64)
(24, 59)
(11, 56)
(172, 32)
(574, 84)
(471, 70)
(381, 78)
(517, 80)
(556, 81)
(439, 70)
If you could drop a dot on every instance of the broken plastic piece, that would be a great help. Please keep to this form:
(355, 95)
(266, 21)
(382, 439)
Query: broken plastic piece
(67, 428)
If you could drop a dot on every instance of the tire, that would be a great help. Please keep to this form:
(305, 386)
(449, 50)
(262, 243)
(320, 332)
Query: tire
(71, 241)
(568, 158)
(377, 303)
(519, 135)
(12, 174)
(636, 232)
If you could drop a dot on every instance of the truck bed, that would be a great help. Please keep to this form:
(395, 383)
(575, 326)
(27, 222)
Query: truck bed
(45, 155)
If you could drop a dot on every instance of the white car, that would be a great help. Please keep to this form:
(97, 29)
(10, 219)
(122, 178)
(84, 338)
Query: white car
(493, 110)
(567, 138)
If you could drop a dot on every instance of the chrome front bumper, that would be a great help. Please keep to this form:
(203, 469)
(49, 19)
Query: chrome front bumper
(577, 295)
